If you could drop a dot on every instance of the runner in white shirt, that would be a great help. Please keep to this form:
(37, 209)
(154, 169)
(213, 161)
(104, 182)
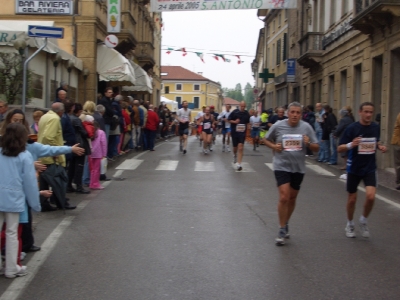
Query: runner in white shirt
(183, 116)
(255, 122)
(200, 124)
(226, 128)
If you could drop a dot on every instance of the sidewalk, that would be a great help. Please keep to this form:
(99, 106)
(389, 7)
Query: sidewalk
(386, 177)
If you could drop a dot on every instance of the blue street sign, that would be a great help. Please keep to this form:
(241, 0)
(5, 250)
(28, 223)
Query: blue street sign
(46, 32)
(291, 70)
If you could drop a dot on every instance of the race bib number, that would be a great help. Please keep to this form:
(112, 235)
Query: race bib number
(367, 146)
(185, 118)
(240, 128)
(256, 124)
(207, 126)
(292, 142)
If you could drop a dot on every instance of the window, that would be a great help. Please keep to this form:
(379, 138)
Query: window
(279, 20)
(333, 12)
(196, 87)
(345, 7)
(267, 31)
(53, 87)
(286, 14)
(315, 16)
(167, 89)
(179, 100)
(273, 26)
(196, 101)
(273, 56)
(343, 88)
(36, 83)
(284, 54)
(278, 52)
(331, 91)
(71, 93)
(357, 87)
(178, 87)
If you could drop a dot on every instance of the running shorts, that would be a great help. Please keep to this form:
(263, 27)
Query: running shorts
(238, 138)
(183, 131)
(226, 130)
(295, 179)
(354, 180)
(255, 132)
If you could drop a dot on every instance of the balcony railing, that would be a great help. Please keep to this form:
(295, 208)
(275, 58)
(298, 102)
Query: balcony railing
(311, 42)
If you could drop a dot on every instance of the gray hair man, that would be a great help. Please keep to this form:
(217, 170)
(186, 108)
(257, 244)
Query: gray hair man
(98, 116)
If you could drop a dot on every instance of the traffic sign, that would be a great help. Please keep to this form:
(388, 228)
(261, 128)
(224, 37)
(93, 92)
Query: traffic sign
(45, 32)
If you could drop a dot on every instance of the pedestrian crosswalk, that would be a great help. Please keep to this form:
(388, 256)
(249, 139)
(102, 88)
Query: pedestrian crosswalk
(204, 166)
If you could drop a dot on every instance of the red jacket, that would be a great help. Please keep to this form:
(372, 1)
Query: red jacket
(89, 128)
(152, 120)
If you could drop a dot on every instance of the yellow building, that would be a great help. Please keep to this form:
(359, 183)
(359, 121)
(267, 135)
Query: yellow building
(181, 84)
(86, 25)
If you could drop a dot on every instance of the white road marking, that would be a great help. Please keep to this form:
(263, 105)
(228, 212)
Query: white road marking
(269, 165)
(167, 165)
(130, 164)
(204, 166)
(117, 174)
(319, 170)
(17, 287)
(245, 167)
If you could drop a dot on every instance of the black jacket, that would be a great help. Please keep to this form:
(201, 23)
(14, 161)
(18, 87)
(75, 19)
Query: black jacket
(80, 134)
(330, 124)
(108, 114)
(100, 120)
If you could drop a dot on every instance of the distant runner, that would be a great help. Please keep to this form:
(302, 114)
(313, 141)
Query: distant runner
(183, 116)
(226, 128)
(208, 121)
(255, 122)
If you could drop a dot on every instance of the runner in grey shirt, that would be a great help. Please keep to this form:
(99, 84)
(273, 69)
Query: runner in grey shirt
(289, 140)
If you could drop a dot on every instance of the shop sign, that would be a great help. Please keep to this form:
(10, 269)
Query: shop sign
(187, 5)
(114, 16)
(336, 34)
(291, 70)
(44, 7)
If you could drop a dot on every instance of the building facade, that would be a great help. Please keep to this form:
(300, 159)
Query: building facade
(347, 52)
(139, 40)
(180, 84)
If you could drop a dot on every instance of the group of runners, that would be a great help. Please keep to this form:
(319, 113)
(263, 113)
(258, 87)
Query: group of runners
(289, 137)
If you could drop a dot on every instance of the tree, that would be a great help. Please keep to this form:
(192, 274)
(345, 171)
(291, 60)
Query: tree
(11, 74)
(248, 95)
(235, 93)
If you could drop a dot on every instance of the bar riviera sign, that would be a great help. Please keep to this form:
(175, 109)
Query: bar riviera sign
(49, 7)
(198, 5)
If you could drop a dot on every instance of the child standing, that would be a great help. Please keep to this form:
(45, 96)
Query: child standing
(99, 151)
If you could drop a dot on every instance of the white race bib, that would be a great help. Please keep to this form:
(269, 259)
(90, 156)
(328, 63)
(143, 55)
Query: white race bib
(292, 142)
(256, 124)
(367, 146)
(240, 128)
(207, 125)
(185, 118)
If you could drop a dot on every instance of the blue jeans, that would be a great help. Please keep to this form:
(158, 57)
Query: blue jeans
(151, 136)
(107, 127)
(321, 147)
(333, 149)
(86, 171)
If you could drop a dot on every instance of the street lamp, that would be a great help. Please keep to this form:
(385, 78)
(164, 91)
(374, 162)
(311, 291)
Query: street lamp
(56, 61)
(70, 66)
(20, 45)
(85, 76)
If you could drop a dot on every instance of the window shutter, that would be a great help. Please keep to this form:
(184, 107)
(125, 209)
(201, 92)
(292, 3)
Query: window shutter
(284, 55)
(278, 52)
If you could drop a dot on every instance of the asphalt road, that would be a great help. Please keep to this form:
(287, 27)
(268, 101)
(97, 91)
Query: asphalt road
(191, 227)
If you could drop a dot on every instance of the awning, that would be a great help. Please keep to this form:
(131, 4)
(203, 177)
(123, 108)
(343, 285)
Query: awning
(166, 100)
(143, 81)
(12, 30)
(113, 66)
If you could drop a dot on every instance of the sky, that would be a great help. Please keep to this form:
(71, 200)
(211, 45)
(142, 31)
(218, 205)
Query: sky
(220, 32)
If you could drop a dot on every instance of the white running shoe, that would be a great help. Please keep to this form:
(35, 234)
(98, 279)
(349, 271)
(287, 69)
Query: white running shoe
(211, 148)
(364, 230)
(234, 159)
(239, 167)
(350, 231)
(22, 272)
(228, 149)
(343, 176)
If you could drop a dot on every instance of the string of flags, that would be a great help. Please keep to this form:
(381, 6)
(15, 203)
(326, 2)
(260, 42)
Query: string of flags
(216, 56)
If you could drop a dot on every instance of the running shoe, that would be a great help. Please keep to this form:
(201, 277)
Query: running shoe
(239, 167)
(223, 148)
(287, 236)
(350, 231)
(228, 149)
(364, 230)
(22, 272)
(234, 159)
(211, 148)
(280, 240)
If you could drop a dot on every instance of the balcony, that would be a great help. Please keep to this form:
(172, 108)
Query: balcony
(373, 15)
(145, 55)
(311, 50)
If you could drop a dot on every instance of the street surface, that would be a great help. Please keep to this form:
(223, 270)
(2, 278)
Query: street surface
(191, 227)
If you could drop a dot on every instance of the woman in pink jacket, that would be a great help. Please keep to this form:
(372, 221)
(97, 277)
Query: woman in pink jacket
(99, 151)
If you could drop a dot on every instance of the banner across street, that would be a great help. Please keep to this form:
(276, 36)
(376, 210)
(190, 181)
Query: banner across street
(195, 5)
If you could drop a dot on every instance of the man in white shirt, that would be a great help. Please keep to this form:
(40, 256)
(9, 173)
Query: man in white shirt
(183, 116)
(226, 128)
(199, 124)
